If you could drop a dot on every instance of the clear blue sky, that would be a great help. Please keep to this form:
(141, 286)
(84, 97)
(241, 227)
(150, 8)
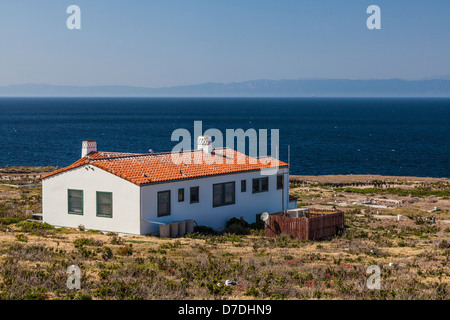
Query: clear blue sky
(158, 43)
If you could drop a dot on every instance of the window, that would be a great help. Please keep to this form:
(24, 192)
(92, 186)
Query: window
(163, 203)
(223, 194)
(280, 181)
(75, 201)
(180, 195)
(260, 185)
(195, 195)
(104, 204)
(243, 185)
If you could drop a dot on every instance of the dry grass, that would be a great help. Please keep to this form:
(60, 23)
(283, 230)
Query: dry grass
(138, 267)
(414, 261)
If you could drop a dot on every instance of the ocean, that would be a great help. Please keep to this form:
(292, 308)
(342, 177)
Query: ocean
(404, 137)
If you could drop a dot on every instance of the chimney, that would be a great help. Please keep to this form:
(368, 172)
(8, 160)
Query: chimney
(88, 147)
(204, 143)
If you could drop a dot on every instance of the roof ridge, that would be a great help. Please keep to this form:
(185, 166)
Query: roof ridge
(137, 155)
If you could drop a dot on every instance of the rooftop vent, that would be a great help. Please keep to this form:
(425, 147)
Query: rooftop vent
(88, 147)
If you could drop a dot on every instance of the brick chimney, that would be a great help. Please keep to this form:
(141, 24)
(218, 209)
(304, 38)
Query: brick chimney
(204, 143)
(88, 146)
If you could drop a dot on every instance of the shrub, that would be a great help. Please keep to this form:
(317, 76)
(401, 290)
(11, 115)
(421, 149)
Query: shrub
(116, 240)
(237, 226)
(125, 250)
(444, 244)
(205, 230)
(83, 296)
(252, 292)
(233, 221)
(402, 244)
(39, 294)
(9, 220)
(87, 242)
(34, 227)
(22, 238)
(215, 289)
(277, 296)
(107, 253)
(171, 245)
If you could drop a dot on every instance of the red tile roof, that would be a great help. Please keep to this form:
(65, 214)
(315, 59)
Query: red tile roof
(160, 167)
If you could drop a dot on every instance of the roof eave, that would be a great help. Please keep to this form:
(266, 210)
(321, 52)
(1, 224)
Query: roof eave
(205, 176)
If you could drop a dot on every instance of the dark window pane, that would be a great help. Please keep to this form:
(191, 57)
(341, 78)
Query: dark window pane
(229, 193)
(194, 194)
(243, 185)
(163, 203)
(224, 194)
(265, 184)
(217, 194)
(260, 185)
(280, 182)
(255, 186)
(75, 201)
(104, 204)
(180, 195)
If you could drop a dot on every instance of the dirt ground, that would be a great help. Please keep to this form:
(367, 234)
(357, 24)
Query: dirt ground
(320, 191)
(364, 178)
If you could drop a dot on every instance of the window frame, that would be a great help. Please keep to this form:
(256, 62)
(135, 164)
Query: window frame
(96, 204)
(82, 202)
(198, 194)
(260, 184)
(157, 204)
(223, 203)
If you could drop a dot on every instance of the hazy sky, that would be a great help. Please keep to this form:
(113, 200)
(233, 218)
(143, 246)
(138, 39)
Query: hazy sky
(158, 43)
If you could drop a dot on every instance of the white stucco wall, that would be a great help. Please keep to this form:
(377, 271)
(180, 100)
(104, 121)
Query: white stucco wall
(292, 204)
(247, 204)
(90, 179)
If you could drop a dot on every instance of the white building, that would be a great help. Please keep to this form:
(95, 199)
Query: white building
(135, 193)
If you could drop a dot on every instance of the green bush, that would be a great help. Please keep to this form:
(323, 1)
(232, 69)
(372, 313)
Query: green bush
(125, 250)
(83, 296)
(277, 296)
(22, 238)
(444, 244)
(36, 295)
(240, 222)
(87, 242)
(107, 253)
(9, 220)
(237, 226)
(252, 292)
(116, 240)
(402, 244)
(33, 227)
(205, 230)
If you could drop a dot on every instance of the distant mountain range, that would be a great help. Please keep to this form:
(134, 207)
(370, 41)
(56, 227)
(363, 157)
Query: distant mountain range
(441, 77)
(431, 87)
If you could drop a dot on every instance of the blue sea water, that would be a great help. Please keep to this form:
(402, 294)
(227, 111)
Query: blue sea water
(325, 136)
